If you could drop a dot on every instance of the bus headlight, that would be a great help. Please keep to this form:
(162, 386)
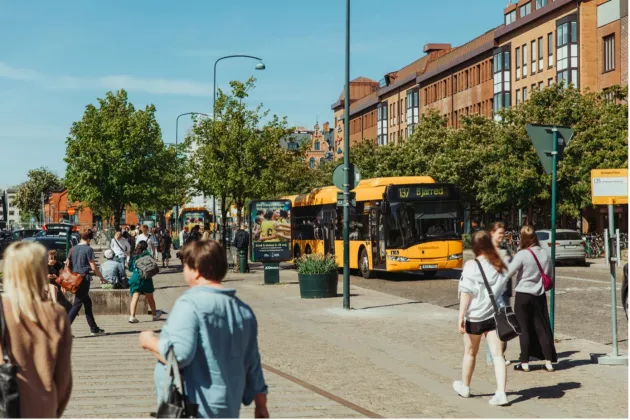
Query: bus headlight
(455, 257)
(397, 258)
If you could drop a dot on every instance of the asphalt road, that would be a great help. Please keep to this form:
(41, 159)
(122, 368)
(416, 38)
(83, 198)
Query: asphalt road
(583, 298)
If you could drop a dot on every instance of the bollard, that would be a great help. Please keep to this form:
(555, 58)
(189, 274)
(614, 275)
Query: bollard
(272, 272)
(242, 261)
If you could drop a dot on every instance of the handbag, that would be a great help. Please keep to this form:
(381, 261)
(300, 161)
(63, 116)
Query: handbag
(174, 404)
(504, 317)
(9, 391)
(68, 279)
(547, 282)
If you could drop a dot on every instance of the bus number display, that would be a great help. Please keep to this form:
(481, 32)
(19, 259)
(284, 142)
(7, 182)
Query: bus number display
(419, 192)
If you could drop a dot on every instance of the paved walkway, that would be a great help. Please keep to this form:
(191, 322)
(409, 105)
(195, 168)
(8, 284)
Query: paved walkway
(388, 356)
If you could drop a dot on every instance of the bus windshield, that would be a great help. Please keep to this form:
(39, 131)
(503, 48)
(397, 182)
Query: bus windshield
(415, 222)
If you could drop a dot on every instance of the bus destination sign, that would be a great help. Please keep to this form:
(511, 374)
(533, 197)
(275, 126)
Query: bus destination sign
(421, 192)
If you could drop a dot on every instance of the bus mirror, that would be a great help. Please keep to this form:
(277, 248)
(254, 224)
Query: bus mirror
(383, 207)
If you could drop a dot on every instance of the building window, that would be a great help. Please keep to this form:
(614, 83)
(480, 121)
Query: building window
(322, 161)
(317, 145)
(412, 110)
(524, 60)
(518, 63)
(510, 17)
(524, 94)
(540, 3)
(525, 9)
(381, 122)
(609, 53)
(540, 86)
(550, 50)
(11, 213)
(540, 54)
(518, 96)
(534, 61)
(567, 51)
(550, 81)
(501, 79)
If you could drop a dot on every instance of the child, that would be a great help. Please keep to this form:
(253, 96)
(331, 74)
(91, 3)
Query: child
(54, 292)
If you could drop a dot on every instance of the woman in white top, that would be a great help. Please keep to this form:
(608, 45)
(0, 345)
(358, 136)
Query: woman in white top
(530, 302)
(121, 248)
(476, 314)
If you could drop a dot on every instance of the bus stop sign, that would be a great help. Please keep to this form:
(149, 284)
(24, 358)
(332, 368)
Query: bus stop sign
(339, 176)
(542, 139)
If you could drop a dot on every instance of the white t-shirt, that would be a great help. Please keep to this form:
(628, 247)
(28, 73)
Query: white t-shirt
(120, 247)
(471, 282)
(148, 239)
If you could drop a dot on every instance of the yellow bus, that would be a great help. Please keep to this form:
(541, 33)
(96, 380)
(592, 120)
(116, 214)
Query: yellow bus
(406, 223)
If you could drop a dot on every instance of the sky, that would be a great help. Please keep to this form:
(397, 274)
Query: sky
(58, 56)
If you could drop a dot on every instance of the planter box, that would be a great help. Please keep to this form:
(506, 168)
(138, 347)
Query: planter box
(317, 286)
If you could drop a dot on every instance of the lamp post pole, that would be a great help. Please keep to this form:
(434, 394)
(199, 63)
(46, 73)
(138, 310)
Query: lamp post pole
(176, 143)
(346, 168)
(259, 66)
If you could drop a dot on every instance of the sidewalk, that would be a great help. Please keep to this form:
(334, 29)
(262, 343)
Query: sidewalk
(388, 357)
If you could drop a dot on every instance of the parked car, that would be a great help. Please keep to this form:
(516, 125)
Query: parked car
(52, 242)
(6, 239)
(569, 245)
(60, 230)
(624, 290)
(24, 233)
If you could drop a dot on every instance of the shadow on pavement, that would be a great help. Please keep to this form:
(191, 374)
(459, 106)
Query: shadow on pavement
(545, 392)
(565, 354)
(171, 287)
(569, 364)
(115, 333)
(386, 306)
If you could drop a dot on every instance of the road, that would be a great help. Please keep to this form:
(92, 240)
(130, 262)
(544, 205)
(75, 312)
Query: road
(583, 300)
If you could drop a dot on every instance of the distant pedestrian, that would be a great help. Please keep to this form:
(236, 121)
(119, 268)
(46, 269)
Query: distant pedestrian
(54, 291)
(183, 237)
(476, 314)
(155, 237)
(114, 271)
(165, 245)
(195, 234)
(219, 361)
(241, 242)
(530, 302)
(81, 261)
(141, 286)
(38, 333)
(121, 248)
(130, 237)
(205, 236)
(148, 238)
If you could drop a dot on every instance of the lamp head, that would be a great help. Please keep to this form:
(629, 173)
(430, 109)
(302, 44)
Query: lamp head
(260, 66)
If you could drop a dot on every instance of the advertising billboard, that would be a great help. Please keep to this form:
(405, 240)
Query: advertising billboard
(270, 230)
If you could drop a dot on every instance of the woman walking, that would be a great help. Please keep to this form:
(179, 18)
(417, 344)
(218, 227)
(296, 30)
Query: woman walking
(214, 336)
(530, 302)
(38, 333)
(141, 286)
(476, 314)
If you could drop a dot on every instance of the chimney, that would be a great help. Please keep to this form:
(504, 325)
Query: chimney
(429, 48)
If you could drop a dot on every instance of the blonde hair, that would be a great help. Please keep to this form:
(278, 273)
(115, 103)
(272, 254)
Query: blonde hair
(205, 236)
(25, 278)
(528, 237)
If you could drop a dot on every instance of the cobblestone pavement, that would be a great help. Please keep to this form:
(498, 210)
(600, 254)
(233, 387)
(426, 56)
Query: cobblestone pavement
(392, 356)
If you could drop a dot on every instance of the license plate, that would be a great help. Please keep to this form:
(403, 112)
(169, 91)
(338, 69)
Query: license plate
(570, 246)
(428, 266)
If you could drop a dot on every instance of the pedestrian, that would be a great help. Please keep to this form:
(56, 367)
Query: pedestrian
(38, 333)
(497, 234)
(130, 237)
(113, 271)
(81, 261)
(155, 237)
(141, 286)
(148, 238)
(205, 236)
(120, 247)
(183, 237)
(476, 314)
(54, 291)
(195, 234)
(219, 361)
(241, 242)
(165, 245)
(530, 302)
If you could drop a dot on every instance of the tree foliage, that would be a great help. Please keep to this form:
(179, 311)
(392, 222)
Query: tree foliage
(116, 159)
(29, 194)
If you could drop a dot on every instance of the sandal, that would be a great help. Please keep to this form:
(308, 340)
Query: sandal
(520, 367)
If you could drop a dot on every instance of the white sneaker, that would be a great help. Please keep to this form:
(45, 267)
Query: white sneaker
(499, 399)
(158, 315)
(133, 320)
(508, 362)
(461, 389)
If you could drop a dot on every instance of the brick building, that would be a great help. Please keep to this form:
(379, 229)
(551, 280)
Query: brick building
(319, 143)
(540, 42)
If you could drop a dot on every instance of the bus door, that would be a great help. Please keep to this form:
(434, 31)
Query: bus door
(329, 218)
(377, 236)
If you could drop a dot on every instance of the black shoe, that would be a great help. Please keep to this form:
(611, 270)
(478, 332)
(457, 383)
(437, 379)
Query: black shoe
(98, 331)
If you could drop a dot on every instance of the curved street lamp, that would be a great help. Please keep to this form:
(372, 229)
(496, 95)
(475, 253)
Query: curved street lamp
(259, 66)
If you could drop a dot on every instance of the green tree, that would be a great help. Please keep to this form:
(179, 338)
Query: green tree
(116, 158)
(29, 194)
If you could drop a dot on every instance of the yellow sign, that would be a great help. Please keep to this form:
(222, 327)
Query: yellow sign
(609, 186)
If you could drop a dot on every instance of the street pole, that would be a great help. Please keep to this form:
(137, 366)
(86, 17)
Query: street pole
(552, 292)
(259, 66)
(346, 168)
(613, 258)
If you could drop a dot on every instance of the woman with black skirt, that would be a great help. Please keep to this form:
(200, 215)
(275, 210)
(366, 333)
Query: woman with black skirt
(530, 303)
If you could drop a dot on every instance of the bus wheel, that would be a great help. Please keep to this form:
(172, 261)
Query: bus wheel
(296, 252)
(364, 265)
(307, 250)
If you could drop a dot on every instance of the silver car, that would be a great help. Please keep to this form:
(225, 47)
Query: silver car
(569, 245)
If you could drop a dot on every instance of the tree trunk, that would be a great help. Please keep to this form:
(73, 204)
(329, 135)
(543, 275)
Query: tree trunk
(239, 211)
(117, 217)
(224, 208)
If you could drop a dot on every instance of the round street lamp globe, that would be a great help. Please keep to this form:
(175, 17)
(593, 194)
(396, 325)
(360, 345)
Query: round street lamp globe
(260, 66)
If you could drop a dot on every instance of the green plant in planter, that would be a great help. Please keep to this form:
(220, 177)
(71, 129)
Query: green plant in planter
(316, 264)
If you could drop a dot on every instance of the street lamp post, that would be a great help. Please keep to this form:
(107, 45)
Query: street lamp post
(259, 66)
(346, 168)
(176, 143)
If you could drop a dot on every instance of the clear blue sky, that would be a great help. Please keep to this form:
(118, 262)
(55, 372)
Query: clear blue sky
(58, 56)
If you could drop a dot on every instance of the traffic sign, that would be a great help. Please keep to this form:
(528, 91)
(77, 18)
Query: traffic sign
(541, 137)
(339, 177)
(341, 202)
(609, 186)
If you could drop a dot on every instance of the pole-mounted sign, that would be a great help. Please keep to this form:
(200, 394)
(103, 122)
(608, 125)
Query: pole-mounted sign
(549, 142)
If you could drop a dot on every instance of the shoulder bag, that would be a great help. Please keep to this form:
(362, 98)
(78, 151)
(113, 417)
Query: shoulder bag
(147, 267)
(174, 404)
(9, 391)
(504, 317)
(68, 279)
(547, 282)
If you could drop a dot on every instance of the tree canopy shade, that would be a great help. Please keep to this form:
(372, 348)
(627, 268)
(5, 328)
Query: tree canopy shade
(29, 194)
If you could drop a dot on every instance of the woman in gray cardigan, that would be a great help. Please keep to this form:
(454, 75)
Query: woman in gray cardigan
(530, 303)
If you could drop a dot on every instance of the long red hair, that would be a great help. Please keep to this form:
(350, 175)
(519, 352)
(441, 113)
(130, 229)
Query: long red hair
(482, 245)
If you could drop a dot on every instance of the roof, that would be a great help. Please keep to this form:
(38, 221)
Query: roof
(360, 79)
(549, 8)
(368, 189)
